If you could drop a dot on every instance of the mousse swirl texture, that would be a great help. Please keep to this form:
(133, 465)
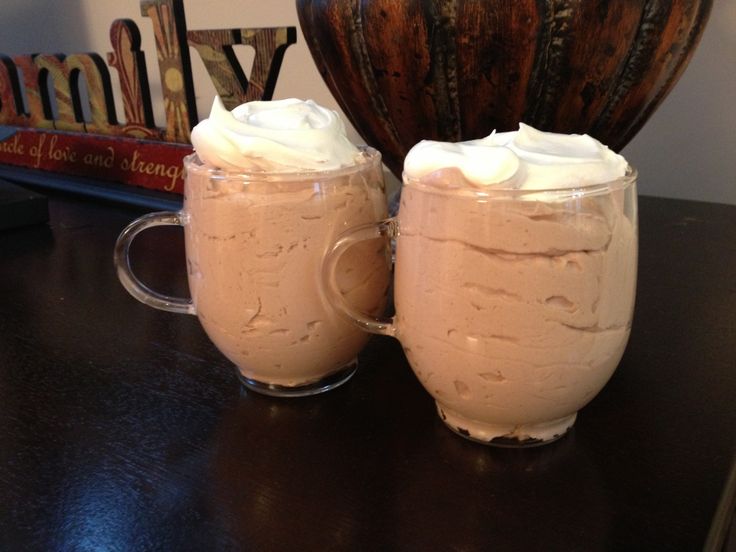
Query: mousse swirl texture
(263, 202)
(515, 278)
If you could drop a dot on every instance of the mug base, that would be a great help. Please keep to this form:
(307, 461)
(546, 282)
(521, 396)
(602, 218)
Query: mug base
(504, 435)
(331, 381)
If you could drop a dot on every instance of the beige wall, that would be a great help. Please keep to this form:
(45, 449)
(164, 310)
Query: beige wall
(688, 147)
(687, 150)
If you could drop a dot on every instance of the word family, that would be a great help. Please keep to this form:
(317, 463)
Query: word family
(37, 76)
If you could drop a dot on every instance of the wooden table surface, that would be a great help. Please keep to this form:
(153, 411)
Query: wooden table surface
(123, 429)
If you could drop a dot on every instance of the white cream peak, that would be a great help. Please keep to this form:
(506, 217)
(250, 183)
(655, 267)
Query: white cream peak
(289, 135)
(524, 159)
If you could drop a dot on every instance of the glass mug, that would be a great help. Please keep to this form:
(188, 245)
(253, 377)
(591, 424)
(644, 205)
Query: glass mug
(254, 244)
(513, 306)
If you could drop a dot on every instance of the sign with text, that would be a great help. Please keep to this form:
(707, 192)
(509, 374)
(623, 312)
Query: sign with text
(57, 111)
(149, 164)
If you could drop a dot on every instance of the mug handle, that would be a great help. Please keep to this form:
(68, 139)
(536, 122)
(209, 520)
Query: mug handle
(388, 228)
(130, 281)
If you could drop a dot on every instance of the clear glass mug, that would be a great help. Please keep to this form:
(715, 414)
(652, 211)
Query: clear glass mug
(254, 247)
(513, 307)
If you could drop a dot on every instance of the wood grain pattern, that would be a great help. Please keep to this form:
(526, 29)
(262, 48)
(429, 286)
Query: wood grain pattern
(457, 69)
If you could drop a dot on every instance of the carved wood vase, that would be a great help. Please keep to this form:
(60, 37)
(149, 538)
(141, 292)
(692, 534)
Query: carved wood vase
(453, 70)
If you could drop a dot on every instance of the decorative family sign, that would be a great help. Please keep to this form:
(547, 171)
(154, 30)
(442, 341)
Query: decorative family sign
(48, 122)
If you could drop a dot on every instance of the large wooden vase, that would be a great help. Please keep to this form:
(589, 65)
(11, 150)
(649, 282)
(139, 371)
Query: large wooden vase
(407, 70)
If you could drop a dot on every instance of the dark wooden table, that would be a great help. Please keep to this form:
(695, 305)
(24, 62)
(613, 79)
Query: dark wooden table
(123, 429)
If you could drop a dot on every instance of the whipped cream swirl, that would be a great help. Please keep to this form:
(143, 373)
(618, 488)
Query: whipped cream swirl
(524, 159)
(279, 136)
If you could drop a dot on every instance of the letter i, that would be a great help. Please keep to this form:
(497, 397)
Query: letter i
(130, 63)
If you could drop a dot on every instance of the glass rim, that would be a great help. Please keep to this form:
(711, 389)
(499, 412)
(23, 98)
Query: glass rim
(619, 183)
(369, 157)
